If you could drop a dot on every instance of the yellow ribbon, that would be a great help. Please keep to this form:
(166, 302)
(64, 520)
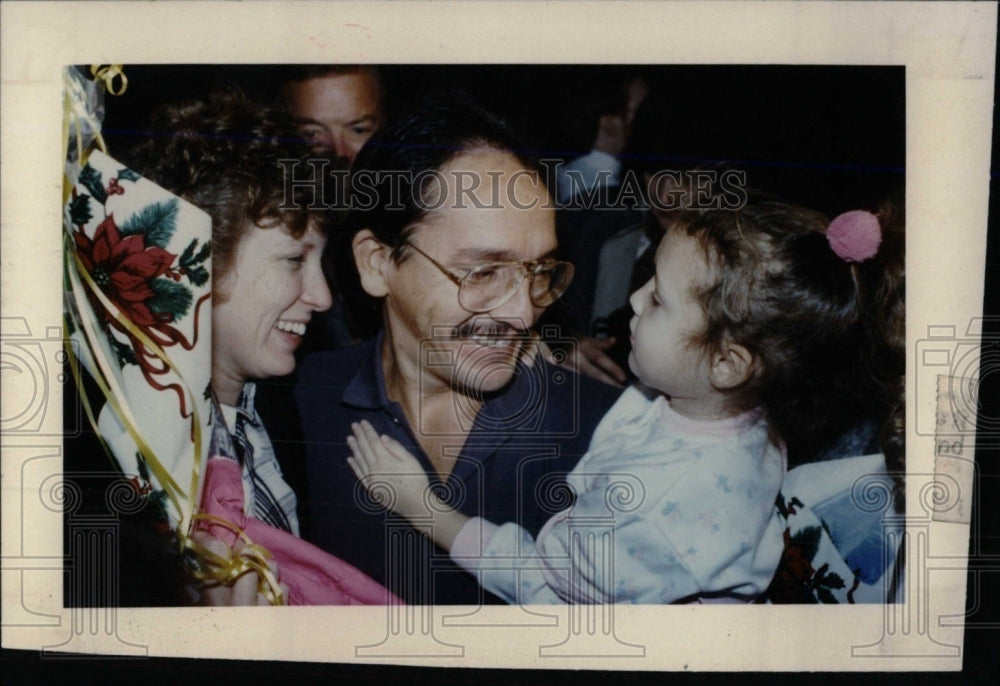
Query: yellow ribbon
(108, 74)
(226, 570)
(214, 568)
(253, 557)
(217, 569)
(74, 366)
(76, 111)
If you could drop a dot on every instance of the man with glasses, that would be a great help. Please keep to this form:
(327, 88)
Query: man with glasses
(452, 232)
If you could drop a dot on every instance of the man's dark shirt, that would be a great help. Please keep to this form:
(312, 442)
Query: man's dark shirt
(511, 467)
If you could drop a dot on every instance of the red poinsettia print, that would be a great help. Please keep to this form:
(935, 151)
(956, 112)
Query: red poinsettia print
(123, 268)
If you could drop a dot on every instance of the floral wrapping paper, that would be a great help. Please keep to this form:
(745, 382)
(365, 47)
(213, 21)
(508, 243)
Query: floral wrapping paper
(841, 536)
(138, 273)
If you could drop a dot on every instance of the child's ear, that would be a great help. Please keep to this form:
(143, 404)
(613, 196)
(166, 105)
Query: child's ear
(372, 259)
(732, 365)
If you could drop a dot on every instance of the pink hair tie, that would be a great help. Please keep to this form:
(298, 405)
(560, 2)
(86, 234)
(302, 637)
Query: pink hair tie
(855, 235)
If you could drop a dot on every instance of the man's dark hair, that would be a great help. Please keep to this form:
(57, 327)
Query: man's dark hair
(387, 174)
(443, 126)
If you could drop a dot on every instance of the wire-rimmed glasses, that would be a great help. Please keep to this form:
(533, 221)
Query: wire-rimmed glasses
(488, 286)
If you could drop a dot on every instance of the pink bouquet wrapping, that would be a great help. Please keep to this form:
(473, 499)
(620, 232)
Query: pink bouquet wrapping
(313, 577)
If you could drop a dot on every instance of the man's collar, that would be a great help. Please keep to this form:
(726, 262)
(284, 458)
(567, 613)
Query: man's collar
(366, 389)
(517, 407)
(599, 160)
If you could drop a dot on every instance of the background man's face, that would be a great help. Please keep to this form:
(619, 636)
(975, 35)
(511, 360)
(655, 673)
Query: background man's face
(337, 113)
(513, 221)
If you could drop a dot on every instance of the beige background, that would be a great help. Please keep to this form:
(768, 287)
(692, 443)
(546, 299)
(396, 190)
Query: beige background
(948, 50)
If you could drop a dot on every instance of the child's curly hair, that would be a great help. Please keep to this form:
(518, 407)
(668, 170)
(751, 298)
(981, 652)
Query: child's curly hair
(224, 154)
(827, 336)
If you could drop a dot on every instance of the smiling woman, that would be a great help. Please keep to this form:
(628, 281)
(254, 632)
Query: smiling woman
(263, 305)
(224, 155)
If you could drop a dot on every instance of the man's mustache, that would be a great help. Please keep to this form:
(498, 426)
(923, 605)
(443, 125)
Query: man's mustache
(490, 328)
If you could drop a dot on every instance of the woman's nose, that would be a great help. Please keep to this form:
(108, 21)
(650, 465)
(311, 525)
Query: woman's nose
(316, 291)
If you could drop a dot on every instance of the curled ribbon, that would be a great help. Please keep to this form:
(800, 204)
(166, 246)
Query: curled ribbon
(78, 115)
(226, 570)
(107, 74)
(79, 118)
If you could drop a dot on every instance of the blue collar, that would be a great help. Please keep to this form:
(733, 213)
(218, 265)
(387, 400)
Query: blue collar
(366, 389)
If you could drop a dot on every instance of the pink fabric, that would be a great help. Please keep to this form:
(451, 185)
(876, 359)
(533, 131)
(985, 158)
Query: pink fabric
(313, 576)
(727, 427)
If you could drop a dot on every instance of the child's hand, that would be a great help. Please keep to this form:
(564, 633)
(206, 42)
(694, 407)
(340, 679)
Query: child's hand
(391, 474)
(396, 481)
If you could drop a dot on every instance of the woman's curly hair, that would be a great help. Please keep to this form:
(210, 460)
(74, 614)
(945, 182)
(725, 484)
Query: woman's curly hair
(232, 158)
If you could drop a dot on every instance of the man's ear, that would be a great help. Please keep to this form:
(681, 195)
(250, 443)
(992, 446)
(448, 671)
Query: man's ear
(372, 259)
(731, 365)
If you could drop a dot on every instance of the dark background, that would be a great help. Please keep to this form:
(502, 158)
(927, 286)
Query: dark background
(829, 137)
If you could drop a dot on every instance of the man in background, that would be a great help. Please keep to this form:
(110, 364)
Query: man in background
(338, 107)
(607, 118)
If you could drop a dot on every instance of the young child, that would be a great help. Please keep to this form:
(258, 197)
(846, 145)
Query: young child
(748, 336)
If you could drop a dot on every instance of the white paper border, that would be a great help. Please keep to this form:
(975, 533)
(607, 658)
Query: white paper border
(948, 50)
